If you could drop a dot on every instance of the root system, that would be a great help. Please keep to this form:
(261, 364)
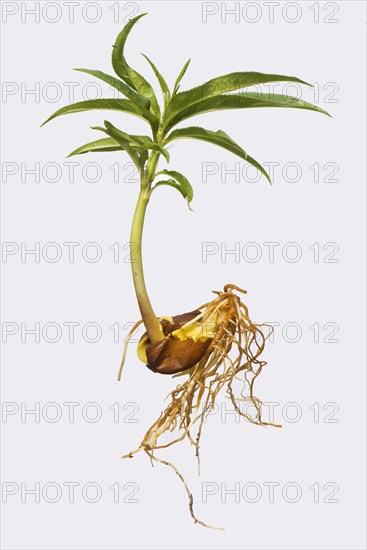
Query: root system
(233, 348)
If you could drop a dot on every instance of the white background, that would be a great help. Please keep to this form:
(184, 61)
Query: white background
(305, 292)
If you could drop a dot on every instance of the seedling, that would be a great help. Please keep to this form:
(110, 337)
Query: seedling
(216, 345)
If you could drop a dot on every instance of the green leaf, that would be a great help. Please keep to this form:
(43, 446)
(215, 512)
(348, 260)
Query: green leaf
(219, 138)
(143, 158)
(180, 76)
(119, 136)
(248, 100)
(175, 185)
(134, 139)
(105, 104)
(161, 80)
(100, 145)
(224, 84)
(120, 86)
(138, 143)
(185, 187)
(118, 60)
(127, 73)
(154, 147)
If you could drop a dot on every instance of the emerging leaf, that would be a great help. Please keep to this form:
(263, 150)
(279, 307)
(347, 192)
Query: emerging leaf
(180, 76)
(161, 80)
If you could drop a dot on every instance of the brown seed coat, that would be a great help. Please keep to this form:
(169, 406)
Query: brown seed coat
(172, 355)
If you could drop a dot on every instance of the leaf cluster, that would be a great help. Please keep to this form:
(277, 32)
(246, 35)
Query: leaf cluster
(139, 99)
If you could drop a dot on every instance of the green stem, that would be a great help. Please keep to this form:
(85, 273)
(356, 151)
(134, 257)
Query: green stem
(152, 324)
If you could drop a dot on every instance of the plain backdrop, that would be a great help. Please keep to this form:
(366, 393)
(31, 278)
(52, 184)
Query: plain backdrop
(315, 463)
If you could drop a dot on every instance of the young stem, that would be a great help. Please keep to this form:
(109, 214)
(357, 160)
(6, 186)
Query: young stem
(152, 324)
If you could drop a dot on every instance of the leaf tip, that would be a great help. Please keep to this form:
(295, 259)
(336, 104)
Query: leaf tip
(45, 121)
(322, 111)
(267, 177)
(135, 19)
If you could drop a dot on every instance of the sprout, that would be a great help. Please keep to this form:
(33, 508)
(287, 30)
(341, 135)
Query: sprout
(216, 345)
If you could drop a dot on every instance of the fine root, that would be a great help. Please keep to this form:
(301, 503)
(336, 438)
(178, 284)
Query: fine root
(232, 357)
